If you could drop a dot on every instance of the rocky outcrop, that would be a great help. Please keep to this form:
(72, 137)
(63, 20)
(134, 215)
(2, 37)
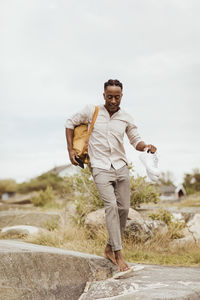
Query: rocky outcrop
(97, 218)
(29, 271)
(20, 230)
(191, 232)
(138, 228)
(153, 282)
(145, 229)
(193, 227)
(187, 212)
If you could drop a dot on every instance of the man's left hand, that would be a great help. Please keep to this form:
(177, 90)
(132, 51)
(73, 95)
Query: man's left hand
(150, 148)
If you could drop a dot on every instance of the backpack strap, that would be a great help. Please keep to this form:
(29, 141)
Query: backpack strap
(94, 117)
(93, 121)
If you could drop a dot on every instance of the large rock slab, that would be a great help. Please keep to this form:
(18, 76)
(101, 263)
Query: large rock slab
(153, 282)
(194, 227)
(21, 230)
(97, 218)
(17, 217)
(29, 271)
(137, 227)
(145, 229)
(191, 232)
(187, 212)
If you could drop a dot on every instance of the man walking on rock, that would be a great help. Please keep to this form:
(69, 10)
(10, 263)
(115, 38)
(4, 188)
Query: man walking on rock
(108, 161)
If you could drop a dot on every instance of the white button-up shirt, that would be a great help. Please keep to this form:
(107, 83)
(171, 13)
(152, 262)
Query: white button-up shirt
(105, 147)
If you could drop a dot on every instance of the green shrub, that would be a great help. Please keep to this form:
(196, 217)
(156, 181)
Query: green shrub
(175, 230)
(59, 184)
(174, 227)
(44, 197)
(142, 192)
(162, 215)
(192, 182)
(52, 224)
(86, 196)
(7, 185)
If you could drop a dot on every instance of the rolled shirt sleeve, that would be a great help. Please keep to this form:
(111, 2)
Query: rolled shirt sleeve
(81, 117)
(106, 147)
(132, 132)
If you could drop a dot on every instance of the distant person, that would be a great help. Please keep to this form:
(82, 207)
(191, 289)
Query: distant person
(109, 163)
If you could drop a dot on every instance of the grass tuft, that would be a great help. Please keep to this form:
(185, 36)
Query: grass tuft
(155, 251)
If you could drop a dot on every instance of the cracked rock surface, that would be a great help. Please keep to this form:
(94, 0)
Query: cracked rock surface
(153, 282)
(29, 271)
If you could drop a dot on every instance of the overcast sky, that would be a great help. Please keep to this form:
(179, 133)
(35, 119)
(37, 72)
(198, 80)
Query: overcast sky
(55, 56)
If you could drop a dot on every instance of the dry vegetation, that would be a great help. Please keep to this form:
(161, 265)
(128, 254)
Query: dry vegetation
(190, 201)
(75, 236)
(155, 251)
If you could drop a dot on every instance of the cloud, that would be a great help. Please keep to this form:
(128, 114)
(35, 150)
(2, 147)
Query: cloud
(56, 55)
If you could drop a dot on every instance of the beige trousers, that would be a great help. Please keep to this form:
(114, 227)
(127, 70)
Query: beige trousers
(114, 189)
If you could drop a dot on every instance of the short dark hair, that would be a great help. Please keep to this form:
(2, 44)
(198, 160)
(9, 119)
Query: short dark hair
(113, 82)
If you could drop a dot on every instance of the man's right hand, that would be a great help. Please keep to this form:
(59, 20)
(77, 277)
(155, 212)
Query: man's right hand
(72, 153)
(72, 156)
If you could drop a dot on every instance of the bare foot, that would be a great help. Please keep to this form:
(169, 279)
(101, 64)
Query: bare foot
(122, 265)
(108, 253)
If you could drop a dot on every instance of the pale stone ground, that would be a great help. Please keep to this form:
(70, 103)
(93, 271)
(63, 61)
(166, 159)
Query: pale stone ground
(29, 271)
